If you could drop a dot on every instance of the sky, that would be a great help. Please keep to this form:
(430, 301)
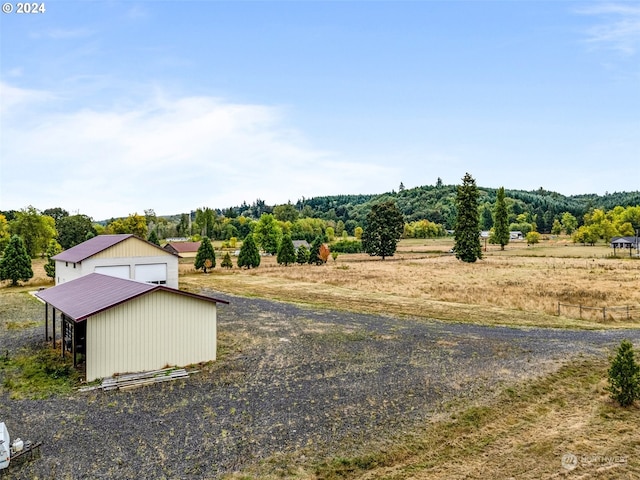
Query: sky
(109, 108)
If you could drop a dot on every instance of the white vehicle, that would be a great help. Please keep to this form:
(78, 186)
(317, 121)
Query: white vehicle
(13, 450)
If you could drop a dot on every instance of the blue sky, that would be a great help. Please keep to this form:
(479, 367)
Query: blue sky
(108, 108)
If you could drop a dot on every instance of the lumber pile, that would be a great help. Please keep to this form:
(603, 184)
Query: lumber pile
(130, 381)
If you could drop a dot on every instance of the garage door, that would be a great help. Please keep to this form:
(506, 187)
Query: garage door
(152, 273)
(120, 271)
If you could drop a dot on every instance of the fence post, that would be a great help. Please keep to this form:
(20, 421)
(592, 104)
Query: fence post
(580, 305)
(604, 314)
(558, 308)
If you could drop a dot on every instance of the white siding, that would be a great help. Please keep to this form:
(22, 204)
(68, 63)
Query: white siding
(149, 333)
(67, 271)
(170, 261)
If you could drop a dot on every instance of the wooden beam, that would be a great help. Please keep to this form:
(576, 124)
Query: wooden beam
(46, 322)
(54, 328)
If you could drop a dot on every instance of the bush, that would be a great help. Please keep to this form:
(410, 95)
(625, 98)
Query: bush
(346, 246)
(624, 375)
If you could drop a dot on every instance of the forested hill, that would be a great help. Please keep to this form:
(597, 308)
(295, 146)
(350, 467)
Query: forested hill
(437, 204)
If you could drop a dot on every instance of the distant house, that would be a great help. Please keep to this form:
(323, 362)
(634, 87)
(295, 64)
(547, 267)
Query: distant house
(122, 326)
(183, 249)
(122, 256)
(516, 235)
(624, 242)
(301, 243)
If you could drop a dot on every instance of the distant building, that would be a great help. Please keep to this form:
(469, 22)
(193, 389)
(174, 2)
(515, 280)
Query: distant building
(183, 249)
(624, 242)
(516, 235)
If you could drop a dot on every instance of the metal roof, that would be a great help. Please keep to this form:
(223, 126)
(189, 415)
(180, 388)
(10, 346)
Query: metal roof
(96, 245)
(94, 293)
(89, 248)
(183, 247)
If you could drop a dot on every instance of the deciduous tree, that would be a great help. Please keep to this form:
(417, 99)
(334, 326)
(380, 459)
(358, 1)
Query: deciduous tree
(73, 230)
(268, 233)
(206, 256)
(467, 230)
(15, 265)
(385, 225)
(35, 230)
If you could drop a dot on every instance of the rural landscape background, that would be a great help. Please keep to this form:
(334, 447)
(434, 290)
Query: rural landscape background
(418, 366)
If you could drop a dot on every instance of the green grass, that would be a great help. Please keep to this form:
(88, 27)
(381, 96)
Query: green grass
(38, 373)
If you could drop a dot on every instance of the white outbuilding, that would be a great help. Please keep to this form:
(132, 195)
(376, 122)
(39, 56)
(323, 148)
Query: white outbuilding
(122, 256)
(121, 326)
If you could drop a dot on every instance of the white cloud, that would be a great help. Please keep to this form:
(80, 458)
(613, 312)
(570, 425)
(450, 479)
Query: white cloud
(619, 27)
(170, 154)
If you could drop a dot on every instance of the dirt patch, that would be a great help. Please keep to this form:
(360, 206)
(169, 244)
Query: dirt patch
(293, 382)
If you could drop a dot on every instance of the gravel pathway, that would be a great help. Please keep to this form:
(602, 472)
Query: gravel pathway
(299, 382)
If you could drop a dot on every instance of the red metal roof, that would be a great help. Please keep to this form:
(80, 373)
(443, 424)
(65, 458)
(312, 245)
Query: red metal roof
(183, 247)
(94, 293)
(95, 245)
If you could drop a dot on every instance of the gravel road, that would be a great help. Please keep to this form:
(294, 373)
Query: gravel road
(298, 382)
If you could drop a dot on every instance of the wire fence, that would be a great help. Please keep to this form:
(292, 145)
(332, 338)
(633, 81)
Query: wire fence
(627, 312)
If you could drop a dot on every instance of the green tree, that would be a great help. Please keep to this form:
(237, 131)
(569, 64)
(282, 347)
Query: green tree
(206, 256)
(302, 256)
(73, 230)
(153, 238)
(5, 236)
(500, 220)
(249, 254)
(569, 223)
(226, 261)
(314, 251)
(285, 213)
(385, 225)
(35, 230)
(467, 230)
(532, 238)
(357, 232)
(268, 233)
(15, 265)
(624, 375)
(134, 223)
(53, 249)
(286, 252)
(556, 228)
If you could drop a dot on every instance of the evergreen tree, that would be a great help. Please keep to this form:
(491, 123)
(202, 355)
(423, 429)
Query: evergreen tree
(153, 238)
(385, 225)
(206, 256)
(500, 220)
(624, 376)
(226, 261)
(53, 249)
(467, 229)
(249, 255)
(302, 256)
(314, 252)
(15, 265)
(286, 252)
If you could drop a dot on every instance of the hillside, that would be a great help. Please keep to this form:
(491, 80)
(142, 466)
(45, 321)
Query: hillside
(437, 204)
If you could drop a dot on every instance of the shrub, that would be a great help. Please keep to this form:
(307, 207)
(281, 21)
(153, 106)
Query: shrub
(624, 375)
(347, 246)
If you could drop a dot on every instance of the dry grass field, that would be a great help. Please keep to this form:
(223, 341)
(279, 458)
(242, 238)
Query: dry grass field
(519, 286)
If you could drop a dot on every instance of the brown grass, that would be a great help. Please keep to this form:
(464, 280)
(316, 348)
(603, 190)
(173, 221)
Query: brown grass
(506, 287)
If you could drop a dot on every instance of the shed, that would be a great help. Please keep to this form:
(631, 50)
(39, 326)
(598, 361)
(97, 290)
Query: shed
(123, 256)
(183, 249)
(124, 326)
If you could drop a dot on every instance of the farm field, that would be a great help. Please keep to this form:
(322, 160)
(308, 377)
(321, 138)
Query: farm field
(519, 286)
(353, 378)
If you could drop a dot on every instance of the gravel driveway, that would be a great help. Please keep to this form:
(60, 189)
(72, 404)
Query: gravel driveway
(299, 382)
